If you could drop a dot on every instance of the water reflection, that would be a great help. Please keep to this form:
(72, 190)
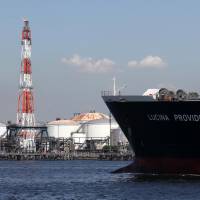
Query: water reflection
(133, 177)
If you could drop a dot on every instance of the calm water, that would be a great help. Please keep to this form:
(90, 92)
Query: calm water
(87, 180)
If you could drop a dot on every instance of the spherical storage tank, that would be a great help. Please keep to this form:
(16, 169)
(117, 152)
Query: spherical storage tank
(99, 128)
(62, 128)
(3, 130)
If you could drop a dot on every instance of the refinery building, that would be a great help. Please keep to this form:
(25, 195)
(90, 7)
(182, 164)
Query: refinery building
(88, 128)
(84, 131)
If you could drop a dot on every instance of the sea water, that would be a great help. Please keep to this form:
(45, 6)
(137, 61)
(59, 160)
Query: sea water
(90, 180)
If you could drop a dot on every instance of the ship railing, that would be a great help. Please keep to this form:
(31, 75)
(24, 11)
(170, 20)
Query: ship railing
(106, 93)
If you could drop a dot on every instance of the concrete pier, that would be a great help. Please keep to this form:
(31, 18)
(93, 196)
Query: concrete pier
(75, 155)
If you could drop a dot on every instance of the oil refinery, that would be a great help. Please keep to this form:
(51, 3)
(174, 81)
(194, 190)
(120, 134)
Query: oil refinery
(91, 131)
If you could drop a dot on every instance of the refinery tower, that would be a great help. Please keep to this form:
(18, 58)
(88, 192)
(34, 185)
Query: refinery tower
(25, 108)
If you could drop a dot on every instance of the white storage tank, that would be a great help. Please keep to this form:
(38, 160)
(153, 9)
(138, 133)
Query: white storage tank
(3, 130)
(97, 129)
(62, 128)
(117, 137)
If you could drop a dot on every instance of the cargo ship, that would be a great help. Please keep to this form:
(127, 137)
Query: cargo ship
(163, 129)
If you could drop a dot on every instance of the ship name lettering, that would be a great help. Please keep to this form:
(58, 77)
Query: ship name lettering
(186, 117)
(158, 117)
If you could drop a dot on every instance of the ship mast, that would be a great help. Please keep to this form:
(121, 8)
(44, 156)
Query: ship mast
(114, 86)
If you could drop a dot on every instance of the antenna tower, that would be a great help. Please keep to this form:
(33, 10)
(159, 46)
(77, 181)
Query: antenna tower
(25, 110)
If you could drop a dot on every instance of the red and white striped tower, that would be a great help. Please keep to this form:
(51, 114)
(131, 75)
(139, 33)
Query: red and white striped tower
(25, 110)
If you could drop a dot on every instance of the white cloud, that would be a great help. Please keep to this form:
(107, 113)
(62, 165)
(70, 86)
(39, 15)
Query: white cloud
(89, 64)
(148, 62)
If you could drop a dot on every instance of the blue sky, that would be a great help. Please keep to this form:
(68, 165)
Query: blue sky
(78, 46)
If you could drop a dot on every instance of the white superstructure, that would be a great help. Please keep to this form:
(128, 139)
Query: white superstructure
(151, 92)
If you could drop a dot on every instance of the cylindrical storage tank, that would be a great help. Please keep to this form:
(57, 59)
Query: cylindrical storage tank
(3, 130)
(62, 128)
(99, 129)
(117, 137)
